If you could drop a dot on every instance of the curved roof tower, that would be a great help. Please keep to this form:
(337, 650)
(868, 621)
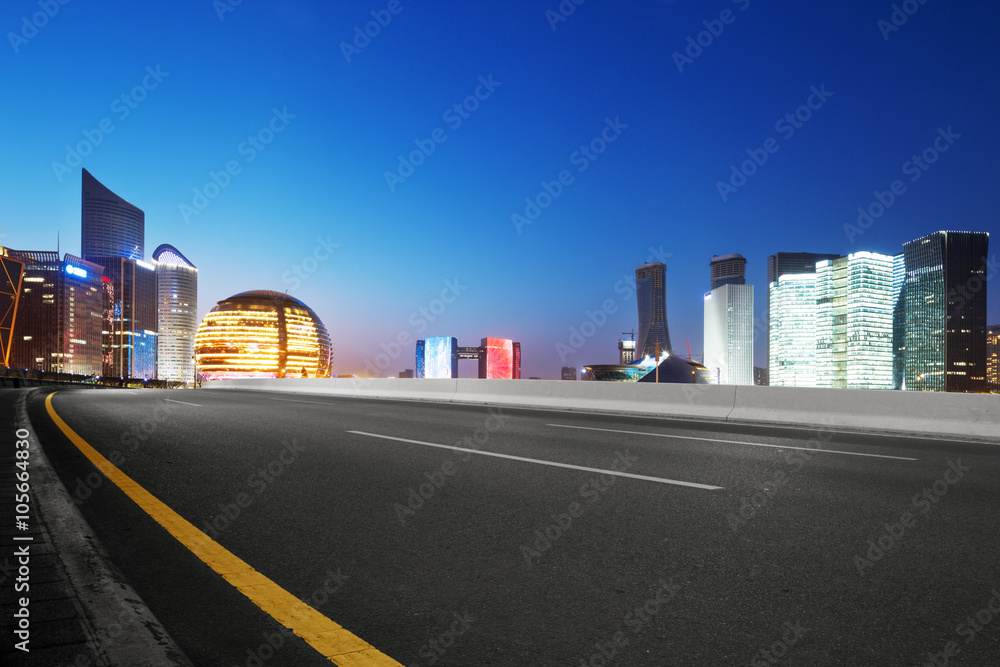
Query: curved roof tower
(176, 314)
(111, 227)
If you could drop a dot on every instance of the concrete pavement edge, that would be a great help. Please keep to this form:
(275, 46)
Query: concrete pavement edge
(122, 628)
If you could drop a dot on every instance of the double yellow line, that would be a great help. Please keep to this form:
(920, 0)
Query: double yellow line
(340, 646)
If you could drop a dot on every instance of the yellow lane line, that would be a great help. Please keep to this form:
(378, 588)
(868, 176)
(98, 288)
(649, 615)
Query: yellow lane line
(340, 646)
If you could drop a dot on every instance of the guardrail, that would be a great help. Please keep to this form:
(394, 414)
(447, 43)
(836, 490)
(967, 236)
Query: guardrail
(924, 413)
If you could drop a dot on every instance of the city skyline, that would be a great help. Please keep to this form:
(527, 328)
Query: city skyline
(374, 255)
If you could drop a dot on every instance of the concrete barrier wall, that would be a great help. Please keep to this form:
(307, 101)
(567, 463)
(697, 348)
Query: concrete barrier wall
(973, 415)
(927, 413)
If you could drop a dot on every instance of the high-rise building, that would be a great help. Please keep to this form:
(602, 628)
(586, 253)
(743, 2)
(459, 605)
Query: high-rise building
(651, 298)
(898, 319)
(729, 334)
(728, 270)
(11, 274)
(496, 359)
(129, 347)
(626, 352)
(946, 312)
(440, 357)
(176, 316)
(420, 358)
(782, 263)
(792, 331)
(59, 320)
(111, 227)
(113, 231)
(568, 373)
(517, 361)
(854, 322)
(993, 356)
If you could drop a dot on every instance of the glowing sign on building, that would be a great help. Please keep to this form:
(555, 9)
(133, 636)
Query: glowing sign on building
(440, 357)
(497, 359)
(76, 271)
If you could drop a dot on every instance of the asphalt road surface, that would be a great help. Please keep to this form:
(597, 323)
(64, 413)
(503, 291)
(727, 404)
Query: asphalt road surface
(701, 544)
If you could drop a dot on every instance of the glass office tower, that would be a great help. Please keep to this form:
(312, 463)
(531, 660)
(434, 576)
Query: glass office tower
(792, 331)
(176, 314)
(651, 297)
(854, 311)
(945, 300)
(110, 226)
(729, 334)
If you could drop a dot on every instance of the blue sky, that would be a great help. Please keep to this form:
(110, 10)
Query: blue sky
(370, 253)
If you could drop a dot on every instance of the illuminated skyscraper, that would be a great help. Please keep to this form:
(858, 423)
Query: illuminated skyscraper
(129, 347)
(111, 227)
(729, 334)
(993, 356)
(262, 333)
(854, 322)
(946, 285)
(420, 360)
(792, 331)
(177, 314)
(59, 323)
(651, 298)
(728, 270)
(898, 319)
(782, 263)
(568, 373)
(112, 231)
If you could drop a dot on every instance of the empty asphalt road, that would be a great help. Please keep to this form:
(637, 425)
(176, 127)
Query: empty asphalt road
(459, 535)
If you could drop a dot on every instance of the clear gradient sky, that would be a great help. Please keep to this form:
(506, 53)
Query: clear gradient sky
(553, 86)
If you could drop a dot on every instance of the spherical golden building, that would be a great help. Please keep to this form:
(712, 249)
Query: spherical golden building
(262, 333)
